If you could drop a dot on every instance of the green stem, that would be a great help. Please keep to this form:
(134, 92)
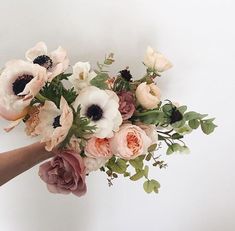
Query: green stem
(145, 113)
(41, 98)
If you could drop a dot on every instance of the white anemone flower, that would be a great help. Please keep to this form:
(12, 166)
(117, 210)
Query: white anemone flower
(101, 107)
(55, 62)
(20, 82)
(156, 60)
(82, 75)
(54, 123)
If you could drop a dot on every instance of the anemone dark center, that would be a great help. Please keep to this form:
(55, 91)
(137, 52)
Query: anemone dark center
(56, 122)
(20, 83)
(125, 74)
(44, 61)
(176, 116)
(94, 112)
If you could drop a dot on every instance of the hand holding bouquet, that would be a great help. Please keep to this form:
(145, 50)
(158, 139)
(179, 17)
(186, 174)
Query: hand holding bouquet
(114, 124)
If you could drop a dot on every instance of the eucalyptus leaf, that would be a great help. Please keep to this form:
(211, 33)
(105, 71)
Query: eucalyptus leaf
(194, 123)
(148, 186)
(208, 126)
(100, 81)
(137, 176)
(182, 109)
(146, 171)
(152, 148)
(193, 115)
(137, 163)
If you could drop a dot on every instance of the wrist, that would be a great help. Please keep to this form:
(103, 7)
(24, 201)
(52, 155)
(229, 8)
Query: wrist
(41, 154)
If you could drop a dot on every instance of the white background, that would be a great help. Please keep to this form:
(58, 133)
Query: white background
(197, 190)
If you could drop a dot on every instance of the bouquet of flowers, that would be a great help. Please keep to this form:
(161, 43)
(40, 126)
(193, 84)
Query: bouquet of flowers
(92, 120)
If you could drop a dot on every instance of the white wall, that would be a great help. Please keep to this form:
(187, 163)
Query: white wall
(197, 190)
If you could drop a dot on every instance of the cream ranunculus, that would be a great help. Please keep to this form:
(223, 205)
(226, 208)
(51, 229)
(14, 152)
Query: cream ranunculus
(156, 60)
(20, 82)
(148, 95)
(82, 75)
(54, 123)
(101, 107)
(130, 142)
(55, 62)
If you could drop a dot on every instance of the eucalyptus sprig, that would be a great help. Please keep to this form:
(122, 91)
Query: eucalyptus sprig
(102, 76)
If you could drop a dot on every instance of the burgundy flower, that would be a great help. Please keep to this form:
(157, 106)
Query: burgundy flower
(65, 173)
(126, 104)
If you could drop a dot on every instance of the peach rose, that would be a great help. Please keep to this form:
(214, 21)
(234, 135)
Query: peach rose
(148, 95)
(150, 130)
(65, 173)
(130, 142)
(98, 148)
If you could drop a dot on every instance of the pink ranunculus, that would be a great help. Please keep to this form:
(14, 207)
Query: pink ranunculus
(65, 173)
(130, 142)
(126, 104)
(98, 148)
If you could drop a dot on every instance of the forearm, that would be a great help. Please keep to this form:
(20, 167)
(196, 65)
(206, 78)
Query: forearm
(15, 162)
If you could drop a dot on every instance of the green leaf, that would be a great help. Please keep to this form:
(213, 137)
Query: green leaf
(100, 81)
(148, 157)
(208, 126)
(126, 174)
(137, 176)
(137, 163)
(146, 171)
(184, 150)
(193, 115)
(151, 117)
(177, 136)
(182, 109)
(119, 166)
(178, 124)
(148, 187)
(183, 130)
(167, 109)
(156, 186)
(152, 148)
(173, 148)
(151, 185)
(194, 123)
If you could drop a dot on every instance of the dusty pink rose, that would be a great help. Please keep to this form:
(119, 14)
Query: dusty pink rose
(98, 148)
(126, 104)
(130, 142)
(65, 173)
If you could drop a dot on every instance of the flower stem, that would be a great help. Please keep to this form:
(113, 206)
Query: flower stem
(41, 98)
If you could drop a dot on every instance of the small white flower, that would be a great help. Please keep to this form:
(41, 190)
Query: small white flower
(93, 164)
(54, 123)
(55, 62)
(82, 75)
(156, 60)
(101, 107)
(20, 82)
